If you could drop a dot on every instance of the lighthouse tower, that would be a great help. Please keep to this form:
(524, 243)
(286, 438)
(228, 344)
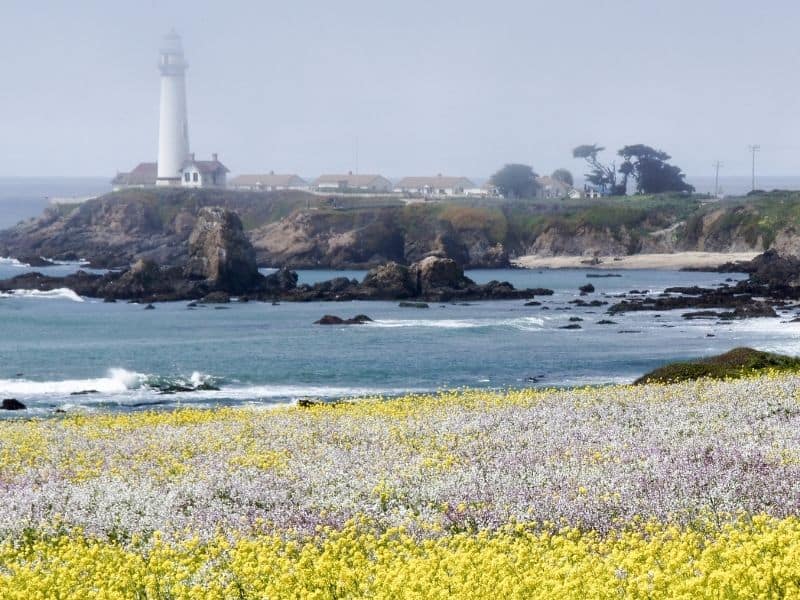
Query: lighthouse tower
(173, 126)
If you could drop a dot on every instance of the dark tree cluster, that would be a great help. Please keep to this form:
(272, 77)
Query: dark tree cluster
(645, 166)
(516, 181)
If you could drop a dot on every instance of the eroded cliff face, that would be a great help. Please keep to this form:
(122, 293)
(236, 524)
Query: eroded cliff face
(290, 230)
(586, 241)
(363, 239)
(711, 232)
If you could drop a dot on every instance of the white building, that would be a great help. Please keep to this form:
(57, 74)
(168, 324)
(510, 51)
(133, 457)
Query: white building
(434, 186)
(173, 124)
(268, 182)
(203, 173)
(352, 183)
(176, 166)
(552, 189)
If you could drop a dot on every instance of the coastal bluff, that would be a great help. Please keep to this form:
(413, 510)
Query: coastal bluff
(221, 262)
(300, 230)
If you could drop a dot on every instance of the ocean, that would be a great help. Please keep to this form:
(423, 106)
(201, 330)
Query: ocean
(22, 198)
(59, 351)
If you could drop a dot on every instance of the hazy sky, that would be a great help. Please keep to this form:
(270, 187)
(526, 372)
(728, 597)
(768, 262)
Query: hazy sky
(456, 87)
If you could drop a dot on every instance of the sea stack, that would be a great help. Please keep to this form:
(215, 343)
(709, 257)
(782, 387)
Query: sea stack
(173, 126)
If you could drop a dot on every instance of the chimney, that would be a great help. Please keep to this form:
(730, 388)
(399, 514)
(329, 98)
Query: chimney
(214, 157)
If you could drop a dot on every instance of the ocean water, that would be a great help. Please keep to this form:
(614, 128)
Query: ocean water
(22, 198)
(61, 351)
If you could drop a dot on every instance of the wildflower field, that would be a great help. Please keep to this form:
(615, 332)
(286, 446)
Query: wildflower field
(689, 490)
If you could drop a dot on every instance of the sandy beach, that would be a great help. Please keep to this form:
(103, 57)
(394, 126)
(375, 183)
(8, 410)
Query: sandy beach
(677, 260)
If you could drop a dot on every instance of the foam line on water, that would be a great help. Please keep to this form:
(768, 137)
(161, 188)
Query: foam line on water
(521, 323)
(12, 262)
(117, 381)
(56, 294)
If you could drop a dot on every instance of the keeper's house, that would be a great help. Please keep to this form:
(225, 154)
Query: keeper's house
(352, 183)
(193, 174)
(438, 186)
(268, 182)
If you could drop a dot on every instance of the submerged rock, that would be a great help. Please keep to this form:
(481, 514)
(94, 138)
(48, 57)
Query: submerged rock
(334, 320)
(12, 404)
(215, 298)
(413, 305)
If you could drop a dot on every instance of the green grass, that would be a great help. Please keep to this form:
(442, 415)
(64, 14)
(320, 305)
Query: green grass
(739, 362)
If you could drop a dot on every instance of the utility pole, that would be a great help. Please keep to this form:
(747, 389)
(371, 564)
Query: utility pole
(753, 149)
(716, 166)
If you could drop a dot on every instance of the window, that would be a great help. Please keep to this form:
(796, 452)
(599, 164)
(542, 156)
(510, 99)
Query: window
(187, 177)
(195, 177)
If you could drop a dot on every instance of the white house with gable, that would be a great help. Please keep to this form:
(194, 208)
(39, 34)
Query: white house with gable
(203, 173)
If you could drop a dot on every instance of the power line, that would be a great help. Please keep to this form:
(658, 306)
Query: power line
(753, 148)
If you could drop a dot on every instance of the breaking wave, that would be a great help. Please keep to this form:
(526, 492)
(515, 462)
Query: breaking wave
(12, 262)
(122, 387)
(56, 294)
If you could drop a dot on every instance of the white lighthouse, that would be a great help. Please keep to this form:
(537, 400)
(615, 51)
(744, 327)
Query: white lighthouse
(173, 125)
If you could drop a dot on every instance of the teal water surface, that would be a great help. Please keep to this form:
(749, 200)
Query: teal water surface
(60, 351)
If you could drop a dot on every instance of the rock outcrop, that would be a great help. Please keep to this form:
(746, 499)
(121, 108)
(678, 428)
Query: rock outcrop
(435, 279)
(220, 254)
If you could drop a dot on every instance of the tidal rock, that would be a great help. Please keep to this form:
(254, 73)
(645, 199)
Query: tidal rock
(149, 307)
(215, 298)
(282, 280)
(391, 280)
(220, 253)
(433, 273)
(586, 289)
(36, 261)
(571, 326)
(334, 320)
(12, 404)
(413, 305)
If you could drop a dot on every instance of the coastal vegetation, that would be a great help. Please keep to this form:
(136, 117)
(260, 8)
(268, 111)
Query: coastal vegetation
(737, 363)
(646, 166)
(515, 180)
(644, 492)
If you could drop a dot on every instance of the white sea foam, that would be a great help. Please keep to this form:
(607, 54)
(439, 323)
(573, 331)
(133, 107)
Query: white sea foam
(521, 323)
(117, 381)
(56, 294)
(132, 388)
(12, 262)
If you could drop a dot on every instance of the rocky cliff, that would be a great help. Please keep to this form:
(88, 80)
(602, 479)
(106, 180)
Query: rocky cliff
(364, 238)
(298, 230)
(291, 229)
